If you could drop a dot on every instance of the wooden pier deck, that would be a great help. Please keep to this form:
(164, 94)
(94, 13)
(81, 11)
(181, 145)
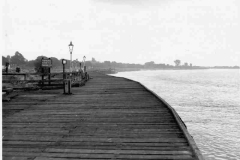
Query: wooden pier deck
(108, 118)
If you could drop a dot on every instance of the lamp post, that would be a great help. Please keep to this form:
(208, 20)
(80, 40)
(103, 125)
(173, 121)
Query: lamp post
(64, 61)
(70, 50)
(84, 67)
(84, 60)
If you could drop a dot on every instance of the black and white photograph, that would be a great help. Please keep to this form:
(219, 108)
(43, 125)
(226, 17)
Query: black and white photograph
(120, 79)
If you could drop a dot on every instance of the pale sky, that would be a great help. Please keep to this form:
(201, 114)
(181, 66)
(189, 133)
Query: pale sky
(202, 32)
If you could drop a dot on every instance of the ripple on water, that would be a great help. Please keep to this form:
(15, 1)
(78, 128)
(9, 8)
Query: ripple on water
(216, 135)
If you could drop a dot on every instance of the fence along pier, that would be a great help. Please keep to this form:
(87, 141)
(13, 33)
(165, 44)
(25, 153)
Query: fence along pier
(108, 118)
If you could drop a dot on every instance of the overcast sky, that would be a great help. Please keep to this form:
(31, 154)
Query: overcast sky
(202, 32)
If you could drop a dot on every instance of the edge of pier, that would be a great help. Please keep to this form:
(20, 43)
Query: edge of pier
(181, 124)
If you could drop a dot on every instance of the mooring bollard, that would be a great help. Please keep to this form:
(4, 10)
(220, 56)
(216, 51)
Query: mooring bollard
(67, 86)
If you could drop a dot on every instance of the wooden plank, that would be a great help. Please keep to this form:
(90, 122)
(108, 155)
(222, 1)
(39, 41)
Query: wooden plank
(134, 152)
(97, 156)
(15, 158)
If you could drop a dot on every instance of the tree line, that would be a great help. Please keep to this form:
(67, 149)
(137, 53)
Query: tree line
(18, 60)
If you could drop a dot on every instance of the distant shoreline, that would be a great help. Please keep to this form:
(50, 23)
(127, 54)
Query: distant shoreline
(130, 70)
(117, 70)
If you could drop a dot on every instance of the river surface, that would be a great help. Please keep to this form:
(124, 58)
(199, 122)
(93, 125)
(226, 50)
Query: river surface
(208, 101)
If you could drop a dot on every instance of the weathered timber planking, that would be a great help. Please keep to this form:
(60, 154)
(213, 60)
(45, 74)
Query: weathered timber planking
(15, 158)
(108, 118)
(96, 156)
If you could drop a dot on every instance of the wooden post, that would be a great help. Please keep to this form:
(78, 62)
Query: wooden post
(86, 76)
(49, 76)
(63, 71)
(42, 76)
(64, 77)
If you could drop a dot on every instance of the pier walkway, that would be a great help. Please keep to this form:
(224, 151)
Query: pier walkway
(108, 118)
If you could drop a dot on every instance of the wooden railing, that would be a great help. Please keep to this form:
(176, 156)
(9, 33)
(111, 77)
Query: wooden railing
(16, 74)
(47, 79)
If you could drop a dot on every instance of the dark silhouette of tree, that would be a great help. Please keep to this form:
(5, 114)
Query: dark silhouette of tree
(186, 64)
(177, 62)
(8, 58)
(30, 64)
(18, 59)
(4, 60)
(55, 62)
(38, 64)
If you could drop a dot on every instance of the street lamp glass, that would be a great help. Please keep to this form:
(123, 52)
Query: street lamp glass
(70, 47)
(64, 61)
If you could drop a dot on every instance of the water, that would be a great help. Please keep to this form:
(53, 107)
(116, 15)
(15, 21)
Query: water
(208, 101)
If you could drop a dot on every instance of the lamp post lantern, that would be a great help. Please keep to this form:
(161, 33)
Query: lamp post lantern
(84, 60)
(70, 50)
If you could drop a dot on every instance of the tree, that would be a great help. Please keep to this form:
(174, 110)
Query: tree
(56, 62)
(38, 65)
(177, 62)
(30, 64)
(18, 59)
(186, 64)
(149, 64)
(8, 58)
(4, 60)
(107, 64)
(114, 64)
(88, 64)
(94, 60)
